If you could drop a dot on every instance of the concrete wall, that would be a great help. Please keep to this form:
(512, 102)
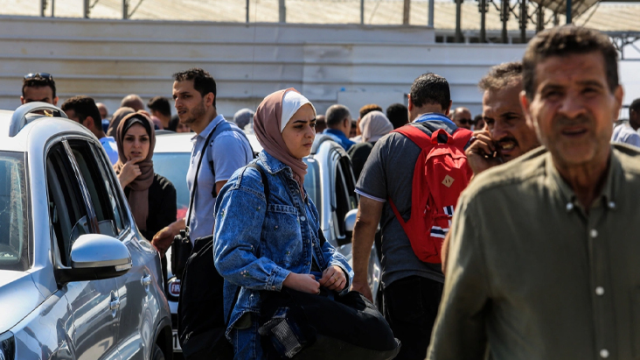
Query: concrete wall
(108, 59)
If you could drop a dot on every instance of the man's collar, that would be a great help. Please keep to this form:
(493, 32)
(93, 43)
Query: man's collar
(432, 117)
(336, 132)
(209, 128)
(607, 194)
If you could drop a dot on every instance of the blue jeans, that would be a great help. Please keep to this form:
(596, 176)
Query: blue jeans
(246, 342)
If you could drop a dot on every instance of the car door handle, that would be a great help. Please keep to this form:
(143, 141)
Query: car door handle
(115, 304)
(146, 280)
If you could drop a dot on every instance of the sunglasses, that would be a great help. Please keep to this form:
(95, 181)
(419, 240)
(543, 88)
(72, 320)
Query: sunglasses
(467, 121)
(43, 75)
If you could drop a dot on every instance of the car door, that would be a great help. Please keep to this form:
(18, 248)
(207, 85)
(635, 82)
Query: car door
(93, 328)
(138, 289)
(344, 198)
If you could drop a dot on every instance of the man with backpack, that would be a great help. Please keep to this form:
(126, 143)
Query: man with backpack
(410, 185)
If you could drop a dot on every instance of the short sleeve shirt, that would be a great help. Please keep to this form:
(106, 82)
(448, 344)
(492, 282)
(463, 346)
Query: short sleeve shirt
(626, 135)
(109, 145)
(229, 152)
(388, 173)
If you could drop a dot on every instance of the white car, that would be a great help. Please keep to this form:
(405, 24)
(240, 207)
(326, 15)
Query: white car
(329, 182)
(77, 279)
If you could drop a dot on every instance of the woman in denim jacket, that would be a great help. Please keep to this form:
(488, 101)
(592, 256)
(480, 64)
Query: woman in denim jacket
(260, 247)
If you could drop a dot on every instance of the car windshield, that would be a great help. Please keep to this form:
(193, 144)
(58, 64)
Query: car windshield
(174, 166)
(14, 224)
(312, 183)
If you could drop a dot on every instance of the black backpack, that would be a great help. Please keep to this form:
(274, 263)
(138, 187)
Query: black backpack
(201, 324)
(201, 320)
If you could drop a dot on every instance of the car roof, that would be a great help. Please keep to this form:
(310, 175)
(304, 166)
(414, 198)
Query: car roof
(181, 142)
(34, 134)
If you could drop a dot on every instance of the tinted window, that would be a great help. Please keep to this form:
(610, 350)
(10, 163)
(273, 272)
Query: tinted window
(174, 166)
(100, 197)
(110, 184)
(67, 210)
(14, 229)
(342, 203)
(312, 183)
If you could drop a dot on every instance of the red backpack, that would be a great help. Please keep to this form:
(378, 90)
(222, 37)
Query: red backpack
(440, 175)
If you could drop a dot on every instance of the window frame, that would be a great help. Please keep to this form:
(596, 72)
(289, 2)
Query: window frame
(58, 245)
(106, 169)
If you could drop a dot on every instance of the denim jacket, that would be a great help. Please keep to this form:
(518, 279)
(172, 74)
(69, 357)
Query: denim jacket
(257, 247)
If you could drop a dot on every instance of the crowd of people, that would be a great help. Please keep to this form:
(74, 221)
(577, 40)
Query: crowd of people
(538, 261)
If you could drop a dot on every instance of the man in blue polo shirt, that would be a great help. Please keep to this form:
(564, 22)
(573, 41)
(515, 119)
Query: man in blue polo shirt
(195, 94)
(339, 125)
(411, 288)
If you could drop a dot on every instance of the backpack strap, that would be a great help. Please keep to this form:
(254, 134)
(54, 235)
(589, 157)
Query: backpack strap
(195, 180)
(416, 135)
(226, 126)
(265, 181)
(461, 138)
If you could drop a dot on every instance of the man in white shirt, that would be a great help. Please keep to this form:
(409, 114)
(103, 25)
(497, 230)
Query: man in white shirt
(83, 110)
(628, 134)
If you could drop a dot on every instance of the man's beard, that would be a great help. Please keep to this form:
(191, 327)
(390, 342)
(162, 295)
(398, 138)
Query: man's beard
(195, 113)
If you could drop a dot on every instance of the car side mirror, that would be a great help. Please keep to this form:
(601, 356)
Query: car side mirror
(96, 257)
(349, 224)
(350, 220)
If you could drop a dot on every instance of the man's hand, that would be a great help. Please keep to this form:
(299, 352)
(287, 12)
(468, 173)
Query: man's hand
(363, 288)
(130, 171)
(481, 154)
(302, 282)
(163, 239)
(333, 278)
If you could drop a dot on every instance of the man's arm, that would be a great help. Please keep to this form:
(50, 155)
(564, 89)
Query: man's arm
(162, 239)
(219, 185)
(369, 212)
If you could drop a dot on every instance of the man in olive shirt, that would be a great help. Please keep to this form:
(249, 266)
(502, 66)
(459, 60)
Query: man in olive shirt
(543, 262)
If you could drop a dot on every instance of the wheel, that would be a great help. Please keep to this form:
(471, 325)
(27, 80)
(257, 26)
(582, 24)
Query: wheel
(157, 353)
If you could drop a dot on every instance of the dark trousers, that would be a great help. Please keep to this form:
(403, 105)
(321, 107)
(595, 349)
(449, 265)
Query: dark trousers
(410, 307)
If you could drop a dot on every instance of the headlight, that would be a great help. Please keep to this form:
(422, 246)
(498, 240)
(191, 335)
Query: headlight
(7, 346)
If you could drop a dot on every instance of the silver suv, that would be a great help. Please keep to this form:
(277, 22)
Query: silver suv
(77, 280)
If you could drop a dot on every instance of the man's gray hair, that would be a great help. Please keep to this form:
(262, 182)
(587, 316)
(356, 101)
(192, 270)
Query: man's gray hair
(336, 114)
(133, 101)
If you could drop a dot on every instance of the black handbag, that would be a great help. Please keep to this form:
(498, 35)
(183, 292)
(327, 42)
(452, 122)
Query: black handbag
(181, 247)
(201, 321)
(297, 325)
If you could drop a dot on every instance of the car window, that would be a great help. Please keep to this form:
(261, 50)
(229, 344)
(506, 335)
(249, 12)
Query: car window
(100, 197)
(312, 183)
(342, 202)
(110, 183)
(174, 166)
(67, 211)
(350, 181)
(14, 223)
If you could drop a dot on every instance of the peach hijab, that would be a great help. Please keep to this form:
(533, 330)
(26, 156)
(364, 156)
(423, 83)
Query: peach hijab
(269, 124)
